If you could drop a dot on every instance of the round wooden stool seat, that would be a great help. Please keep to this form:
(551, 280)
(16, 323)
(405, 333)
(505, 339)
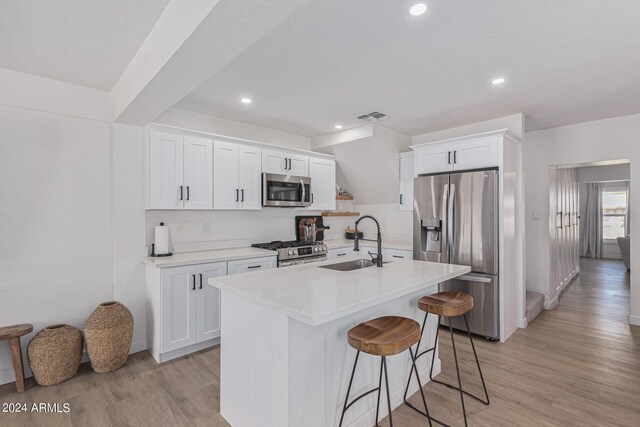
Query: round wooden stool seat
(384, 336)
(448, 304)
(7, 332)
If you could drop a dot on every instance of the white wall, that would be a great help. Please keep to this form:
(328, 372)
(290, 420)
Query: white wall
(56, 262)
(610, 139)
(201, 122)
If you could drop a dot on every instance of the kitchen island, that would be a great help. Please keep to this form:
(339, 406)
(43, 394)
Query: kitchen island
(285, 360)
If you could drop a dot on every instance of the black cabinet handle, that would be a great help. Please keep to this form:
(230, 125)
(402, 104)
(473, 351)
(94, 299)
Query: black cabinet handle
(181, 192)
(455, 155)
(200, 281)
(187, 192)
(237, 195)
(311, 198)
(254, 266)
(449, 157)
(397, 256)
(194, 282)
(340, 254)
(400, 198)
(242, 191)
(289, 164)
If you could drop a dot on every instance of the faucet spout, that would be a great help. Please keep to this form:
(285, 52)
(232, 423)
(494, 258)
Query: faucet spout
(377, 259)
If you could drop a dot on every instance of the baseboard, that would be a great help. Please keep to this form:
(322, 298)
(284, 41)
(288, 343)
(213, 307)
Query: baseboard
(634, 320)
(165, 357)
(523, 323)
(7, 376)
(397, 398)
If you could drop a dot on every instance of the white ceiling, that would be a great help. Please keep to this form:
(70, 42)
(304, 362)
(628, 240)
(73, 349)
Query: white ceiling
(86, 42)
(565, 61)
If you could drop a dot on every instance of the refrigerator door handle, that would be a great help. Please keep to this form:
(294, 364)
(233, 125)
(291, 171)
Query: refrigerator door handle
(472, 278)
(450, 218)
(444, 233)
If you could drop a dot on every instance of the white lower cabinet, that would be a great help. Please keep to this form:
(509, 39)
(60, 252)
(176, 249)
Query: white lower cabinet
(183, 311)
(190, 308)
(254, 264)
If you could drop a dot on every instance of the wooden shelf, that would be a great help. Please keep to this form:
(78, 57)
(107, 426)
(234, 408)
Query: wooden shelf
(340, 213)
(344, 197)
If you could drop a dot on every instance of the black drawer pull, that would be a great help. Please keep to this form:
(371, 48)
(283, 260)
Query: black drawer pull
(397, 256)
(341, 254)
(254, 266)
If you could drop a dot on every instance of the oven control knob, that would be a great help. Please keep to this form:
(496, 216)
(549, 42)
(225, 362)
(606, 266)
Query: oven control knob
(316, 249)
(292, 252)
(324, 247)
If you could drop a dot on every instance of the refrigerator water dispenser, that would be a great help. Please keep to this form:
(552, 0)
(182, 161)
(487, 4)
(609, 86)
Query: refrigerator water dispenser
(431, 231)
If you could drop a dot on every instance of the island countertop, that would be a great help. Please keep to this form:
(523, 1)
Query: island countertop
(315, 295)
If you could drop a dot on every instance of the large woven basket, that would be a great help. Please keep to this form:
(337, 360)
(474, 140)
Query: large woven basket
(108, 333)
(54, 354)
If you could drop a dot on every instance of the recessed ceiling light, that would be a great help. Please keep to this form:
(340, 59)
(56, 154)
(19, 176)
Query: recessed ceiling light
(498, 81)
(338, 126)
(246, 100)
(418, 9)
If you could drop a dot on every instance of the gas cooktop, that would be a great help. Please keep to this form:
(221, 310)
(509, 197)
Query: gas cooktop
(295, 250)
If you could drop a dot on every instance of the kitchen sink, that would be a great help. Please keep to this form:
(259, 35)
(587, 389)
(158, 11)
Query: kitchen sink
(355, 264)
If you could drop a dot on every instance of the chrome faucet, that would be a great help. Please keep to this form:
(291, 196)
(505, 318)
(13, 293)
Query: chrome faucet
(356, 246)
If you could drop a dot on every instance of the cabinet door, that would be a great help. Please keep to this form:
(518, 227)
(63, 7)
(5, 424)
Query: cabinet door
(340, 253)
(275, 161)
(481, 153)
(434, 159)
(323, 183)
(253, 264)
(298, 165)
(178, 307)
(249, 177)
(166, 186)
(407, 167)
(226, 192)
(198, 173)
(391, 254)
(208, 317)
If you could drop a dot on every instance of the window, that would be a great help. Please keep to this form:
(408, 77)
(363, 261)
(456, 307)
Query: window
(614, 212)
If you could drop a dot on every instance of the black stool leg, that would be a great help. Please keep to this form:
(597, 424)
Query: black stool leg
(386, 381)
(406, 389)
(455, 358)
(477, 362)
(415, 368)
(379, 389)
(346, 399)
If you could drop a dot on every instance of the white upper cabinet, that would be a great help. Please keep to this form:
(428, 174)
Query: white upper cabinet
(476, 152)
(323, 183)
(198, 173)
(407, 168)
(282, 162)
(166, 180)
(249, 177)
(236, 176)
(180, 172)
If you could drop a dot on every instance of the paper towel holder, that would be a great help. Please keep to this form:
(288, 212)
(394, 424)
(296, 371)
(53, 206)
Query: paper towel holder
(153, 250)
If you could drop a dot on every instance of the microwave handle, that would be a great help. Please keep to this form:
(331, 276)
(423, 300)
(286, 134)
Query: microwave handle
(303, 191)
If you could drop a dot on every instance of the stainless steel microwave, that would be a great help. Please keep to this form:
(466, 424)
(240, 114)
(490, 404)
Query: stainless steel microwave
(286, 190)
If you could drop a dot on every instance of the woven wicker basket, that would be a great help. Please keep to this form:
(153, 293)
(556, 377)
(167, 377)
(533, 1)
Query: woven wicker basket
(108, 333)
(54, 354)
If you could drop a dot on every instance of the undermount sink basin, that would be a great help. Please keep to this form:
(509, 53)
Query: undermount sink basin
(355, 264)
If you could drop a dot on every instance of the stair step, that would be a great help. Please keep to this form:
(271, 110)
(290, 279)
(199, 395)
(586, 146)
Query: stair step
(535, 305)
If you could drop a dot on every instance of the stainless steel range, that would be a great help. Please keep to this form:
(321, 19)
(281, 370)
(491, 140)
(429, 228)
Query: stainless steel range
(296, 252)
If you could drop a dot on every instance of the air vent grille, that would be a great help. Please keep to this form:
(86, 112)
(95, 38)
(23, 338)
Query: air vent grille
(371, 116)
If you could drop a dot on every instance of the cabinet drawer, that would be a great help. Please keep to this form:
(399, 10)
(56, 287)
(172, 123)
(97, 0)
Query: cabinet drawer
(253, 264)
(340, 253)
(392, 254)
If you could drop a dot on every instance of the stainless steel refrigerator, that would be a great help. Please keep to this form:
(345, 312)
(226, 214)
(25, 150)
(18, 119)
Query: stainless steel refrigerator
(455, 220)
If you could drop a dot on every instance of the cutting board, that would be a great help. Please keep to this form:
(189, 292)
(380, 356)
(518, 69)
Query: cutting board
(300, 221)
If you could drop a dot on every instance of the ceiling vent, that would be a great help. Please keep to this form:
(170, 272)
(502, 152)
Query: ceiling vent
(371, 116)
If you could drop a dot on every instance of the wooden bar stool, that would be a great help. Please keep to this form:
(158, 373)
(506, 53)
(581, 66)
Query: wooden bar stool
(384, 336)
(447, 304)
(12, 334)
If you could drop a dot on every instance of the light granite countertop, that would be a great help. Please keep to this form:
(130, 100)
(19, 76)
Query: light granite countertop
(315, 295)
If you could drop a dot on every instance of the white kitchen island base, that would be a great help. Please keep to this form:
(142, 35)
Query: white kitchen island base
(285, 360)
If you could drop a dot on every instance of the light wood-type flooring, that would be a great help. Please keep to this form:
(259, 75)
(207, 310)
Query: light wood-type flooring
(577, 365)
